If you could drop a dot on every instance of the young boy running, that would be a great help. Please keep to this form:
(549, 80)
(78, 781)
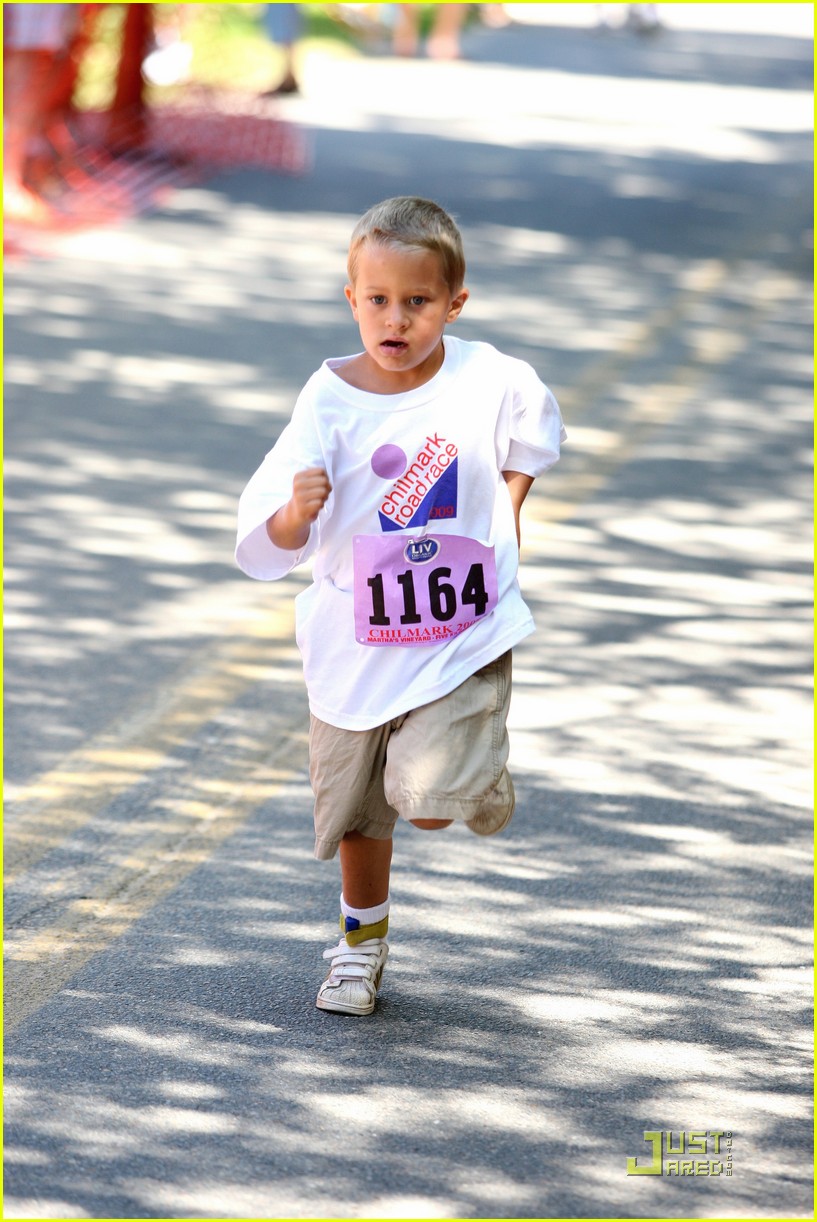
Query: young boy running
(402, 474)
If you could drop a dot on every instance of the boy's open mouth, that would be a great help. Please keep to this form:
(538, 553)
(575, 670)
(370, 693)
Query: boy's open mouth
(395, 345)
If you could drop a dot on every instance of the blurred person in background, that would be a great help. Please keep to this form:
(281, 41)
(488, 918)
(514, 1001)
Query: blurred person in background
(493, 16)
(37, 48)
(53, 169)
(443, 41)
(641, 18)
(284, 25)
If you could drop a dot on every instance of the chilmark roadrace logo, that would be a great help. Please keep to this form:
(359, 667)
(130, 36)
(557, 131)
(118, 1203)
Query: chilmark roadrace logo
(685, 1153)
(426, 491)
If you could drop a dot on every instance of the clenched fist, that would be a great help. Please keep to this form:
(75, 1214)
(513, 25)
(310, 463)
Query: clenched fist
(289, 527)
(310, 492)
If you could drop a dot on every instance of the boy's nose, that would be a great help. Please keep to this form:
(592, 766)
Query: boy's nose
(397, 318)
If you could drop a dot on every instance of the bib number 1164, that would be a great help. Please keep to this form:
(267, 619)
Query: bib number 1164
(402, 597)
(442, 596)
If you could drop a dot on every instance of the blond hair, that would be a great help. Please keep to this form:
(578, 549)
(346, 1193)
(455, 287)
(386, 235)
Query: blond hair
(416, 223)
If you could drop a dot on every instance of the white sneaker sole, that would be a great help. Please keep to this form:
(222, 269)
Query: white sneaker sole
(344, 1007)
(339, 1007)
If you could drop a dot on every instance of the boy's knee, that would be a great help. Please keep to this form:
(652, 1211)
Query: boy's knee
(431, 825)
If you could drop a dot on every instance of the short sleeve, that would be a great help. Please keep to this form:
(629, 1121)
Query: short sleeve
(536, 428)
(269, 489)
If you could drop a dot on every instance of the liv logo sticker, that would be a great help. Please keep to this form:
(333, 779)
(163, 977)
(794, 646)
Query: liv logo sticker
(685, 1153)
(421, 551)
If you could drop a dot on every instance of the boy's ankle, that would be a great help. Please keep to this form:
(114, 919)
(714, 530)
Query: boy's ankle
(363, 924)
(355, 933)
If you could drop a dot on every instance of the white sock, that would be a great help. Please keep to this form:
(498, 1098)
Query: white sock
(366, 916)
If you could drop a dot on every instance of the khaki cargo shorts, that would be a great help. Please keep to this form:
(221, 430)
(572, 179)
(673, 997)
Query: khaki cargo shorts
(444, 760)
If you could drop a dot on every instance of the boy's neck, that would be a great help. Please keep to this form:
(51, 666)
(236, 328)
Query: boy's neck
(365, 374)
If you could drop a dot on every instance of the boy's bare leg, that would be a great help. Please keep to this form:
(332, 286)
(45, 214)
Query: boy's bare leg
(358, 960)
(405, 38)
(25, 81)
(365, 865)
(444, 40)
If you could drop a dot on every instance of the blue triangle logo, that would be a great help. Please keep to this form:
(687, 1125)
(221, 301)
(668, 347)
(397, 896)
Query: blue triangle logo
(441, 499)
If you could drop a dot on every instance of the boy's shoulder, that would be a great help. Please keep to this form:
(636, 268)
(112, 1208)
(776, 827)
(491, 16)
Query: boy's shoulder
(478, 354)
(473, 349)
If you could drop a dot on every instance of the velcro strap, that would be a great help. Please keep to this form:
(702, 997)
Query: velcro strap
(363, 932)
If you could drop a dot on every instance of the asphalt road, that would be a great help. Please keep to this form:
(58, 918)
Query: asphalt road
(633, 955)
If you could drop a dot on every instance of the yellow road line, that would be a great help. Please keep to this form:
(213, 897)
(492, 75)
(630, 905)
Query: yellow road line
(653, 405)
(58, 804)
(40, 962)
(578, 399)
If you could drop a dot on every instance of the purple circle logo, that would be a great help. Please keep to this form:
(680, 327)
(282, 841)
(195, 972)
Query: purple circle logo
(388, 462)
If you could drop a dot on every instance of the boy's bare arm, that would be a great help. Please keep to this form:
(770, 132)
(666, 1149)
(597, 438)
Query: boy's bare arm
(289, 527)
(519, 486)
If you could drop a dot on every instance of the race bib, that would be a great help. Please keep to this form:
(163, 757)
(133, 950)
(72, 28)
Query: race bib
(420, 589)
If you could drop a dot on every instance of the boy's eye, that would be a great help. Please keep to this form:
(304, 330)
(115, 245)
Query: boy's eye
(417, 301)
(378, 299)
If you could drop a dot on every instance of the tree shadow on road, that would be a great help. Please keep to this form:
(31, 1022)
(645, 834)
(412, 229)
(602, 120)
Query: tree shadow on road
(604, 968)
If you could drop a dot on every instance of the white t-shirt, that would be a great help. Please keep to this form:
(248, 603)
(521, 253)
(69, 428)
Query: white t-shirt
(415, 554)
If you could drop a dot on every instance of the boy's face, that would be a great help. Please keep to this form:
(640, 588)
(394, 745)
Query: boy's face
(401, 303)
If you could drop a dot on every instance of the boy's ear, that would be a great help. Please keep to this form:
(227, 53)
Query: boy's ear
(457, 303)
(350, 297)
